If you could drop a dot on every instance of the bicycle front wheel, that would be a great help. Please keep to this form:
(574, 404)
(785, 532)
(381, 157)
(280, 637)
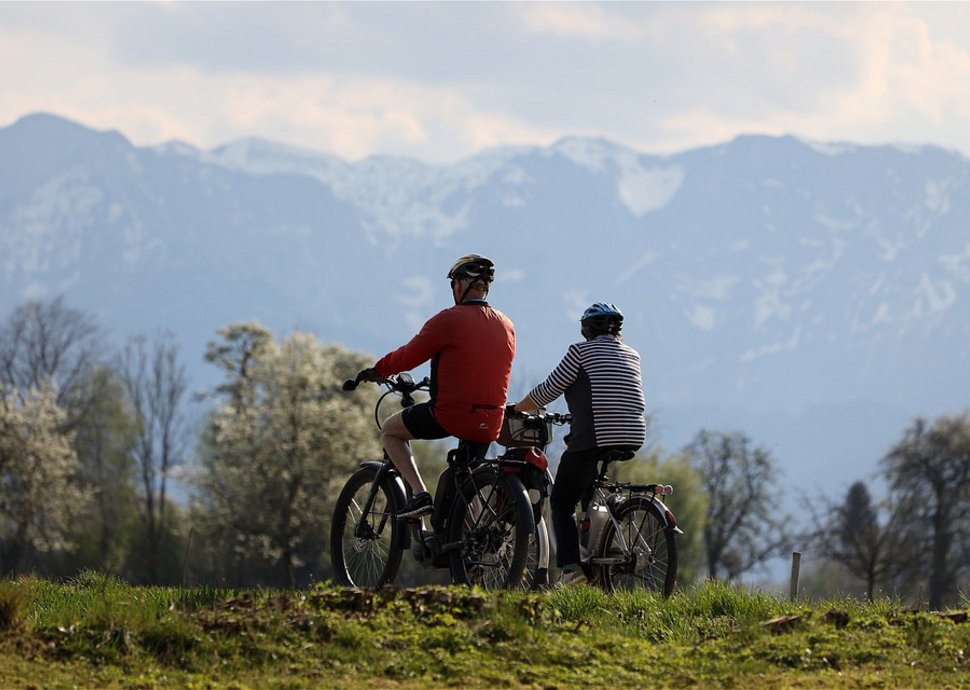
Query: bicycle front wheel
(366, 540)
(491, 526)
(638, 551)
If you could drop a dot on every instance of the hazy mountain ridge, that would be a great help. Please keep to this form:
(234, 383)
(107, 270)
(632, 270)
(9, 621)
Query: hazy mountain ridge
(764, 277)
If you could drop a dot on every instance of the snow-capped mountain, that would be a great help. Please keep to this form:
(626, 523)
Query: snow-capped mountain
(812, 295)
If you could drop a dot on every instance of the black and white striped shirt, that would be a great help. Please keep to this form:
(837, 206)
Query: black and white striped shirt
(604, 392)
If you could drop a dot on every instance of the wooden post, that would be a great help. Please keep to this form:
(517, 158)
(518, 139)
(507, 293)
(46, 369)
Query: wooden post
(796, 559)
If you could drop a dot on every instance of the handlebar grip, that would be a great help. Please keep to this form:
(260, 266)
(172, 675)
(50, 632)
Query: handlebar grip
(350, 384)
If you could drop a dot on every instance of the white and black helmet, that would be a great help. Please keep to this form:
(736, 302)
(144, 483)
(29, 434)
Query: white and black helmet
(473, 266)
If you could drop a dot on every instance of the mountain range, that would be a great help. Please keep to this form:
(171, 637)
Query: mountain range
(812, 295)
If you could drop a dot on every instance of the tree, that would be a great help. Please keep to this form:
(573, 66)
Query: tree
(744, 526)
(44, 342)
(156, 385)
(279, 447)
(851, 534)
(930, 471)
(105, 444)
(48, 343)
(38, 494)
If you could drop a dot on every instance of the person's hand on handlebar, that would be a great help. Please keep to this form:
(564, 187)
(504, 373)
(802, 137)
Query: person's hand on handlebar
(526, 404)
(369, 374)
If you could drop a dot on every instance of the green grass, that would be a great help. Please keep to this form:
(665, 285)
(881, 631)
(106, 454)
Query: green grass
(99, 632)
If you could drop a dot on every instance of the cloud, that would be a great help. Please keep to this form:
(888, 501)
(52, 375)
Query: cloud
(578, 20)
(354, 117)
(441, 82)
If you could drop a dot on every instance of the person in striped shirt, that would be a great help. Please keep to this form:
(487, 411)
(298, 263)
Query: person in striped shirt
(602, 383)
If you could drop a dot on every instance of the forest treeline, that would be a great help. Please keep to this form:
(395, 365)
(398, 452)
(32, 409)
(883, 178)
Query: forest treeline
(94, 439)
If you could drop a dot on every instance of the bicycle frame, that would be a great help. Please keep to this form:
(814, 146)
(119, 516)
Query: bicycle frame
(433, 546)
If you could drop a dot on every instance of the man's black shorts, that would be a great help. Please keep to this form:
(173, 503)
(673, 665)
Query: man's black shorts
(420, 422)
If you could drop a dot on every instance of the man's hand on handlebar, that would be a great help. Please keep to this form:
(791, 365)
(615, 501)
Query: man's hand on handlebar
(369, 374)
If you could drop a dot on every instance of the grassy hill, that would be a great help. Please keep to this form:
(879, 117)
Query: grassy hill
(99, 632)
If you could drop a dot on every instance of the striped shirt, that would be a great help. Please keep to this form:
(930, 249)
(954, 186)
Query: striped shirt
(604, 392)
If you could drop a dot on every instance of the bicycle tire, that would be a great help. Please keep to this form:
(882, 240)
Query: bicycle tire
(537, 574)
(372, 557)
(492, 522)
(650, 563)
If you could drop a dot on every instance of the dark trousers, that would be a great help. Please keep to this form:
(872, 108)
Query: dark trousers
(575, 476)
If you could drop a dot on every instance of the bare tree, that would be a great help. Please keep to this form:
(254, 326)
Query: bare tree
(51, 342)
(156, 384)
(744, 526)
(851, 534)
(930, 470)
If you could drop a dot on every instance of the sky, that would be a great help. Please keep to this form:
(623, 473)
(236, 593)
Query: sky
(442, 81)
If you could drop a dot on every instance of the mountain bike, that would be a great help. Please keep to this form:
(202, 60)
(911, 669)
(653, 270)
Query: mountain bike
(480, 528)
(628, 534)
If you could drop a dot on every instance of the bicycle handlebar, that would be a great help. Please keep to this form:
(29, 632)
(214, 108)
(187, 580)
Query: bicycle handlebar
(540, 417)
(399, 383)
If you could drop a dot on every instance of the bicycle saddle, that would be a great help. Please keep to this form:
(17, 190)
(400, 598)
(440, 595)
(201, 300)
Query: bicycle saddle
(617, 455)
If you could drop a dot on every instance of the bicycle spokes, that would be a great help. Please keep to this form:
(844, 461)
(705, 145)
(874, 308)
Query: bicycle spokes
(490, 534)
(645, 549)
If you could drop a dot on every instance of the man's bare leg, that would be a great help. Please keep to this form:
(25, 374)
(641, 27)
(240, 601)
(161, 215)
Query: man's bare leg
(396, 439)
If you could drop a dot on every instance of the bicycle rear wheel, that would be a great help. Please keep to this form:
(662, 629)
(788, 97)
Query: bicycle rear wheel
(492, 523)
(639, 550)
(537, 559)
(366, 548)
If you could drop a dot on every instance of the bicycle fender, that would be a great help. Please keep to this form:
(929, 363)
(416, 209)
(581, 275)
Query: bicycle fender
(666, 515)
(515, 485)
(396, 487)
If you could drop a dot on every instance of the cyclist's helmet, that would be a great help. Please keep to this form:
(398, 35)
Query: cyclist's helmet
(473, 266)
(601, 318)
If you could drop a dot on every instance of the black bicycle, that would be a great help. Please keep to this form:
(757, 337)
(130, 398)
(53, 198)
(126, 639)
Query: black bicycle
(481, 526)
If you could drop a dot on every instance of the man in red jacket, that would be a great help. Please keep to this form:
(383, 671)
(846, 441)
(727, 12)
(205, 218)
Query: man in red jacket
(471, 346)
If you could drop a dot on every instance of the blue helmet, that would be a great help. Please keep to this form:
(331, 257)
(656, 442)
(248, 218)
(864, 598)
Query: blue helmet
(602, 310)
(601, 318)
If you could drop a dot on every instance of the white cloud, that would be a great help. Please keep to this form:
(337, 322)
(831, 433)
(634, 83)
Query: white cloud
(641, 263)
(661, 77)
(702, 317)
(579, 20)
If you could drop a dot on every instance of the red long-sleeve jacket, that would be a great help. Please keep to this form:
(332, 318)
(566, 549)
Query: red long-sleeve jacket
(471, 347)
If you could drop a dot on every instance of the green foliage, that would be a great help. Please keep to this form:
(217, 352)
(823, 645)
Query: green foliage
(98, 631)
(103, 443)
(12, 604)
(929, 472)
